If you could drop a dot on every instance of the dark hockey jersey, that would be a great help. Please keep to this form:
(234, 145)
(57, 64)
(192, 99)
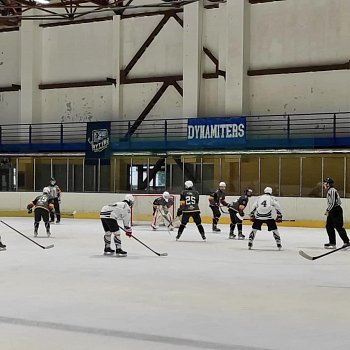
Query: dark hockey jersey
(189, 200)
(217, 197)
(160, 201)
(44, 201)
(241, 201)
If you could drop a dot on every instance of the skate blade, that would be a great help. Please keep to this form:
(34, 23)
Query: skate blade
(2, 248)
(121, 255)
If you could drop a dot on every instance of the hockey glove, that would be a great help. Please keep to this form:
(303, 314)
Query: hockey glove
(128, 232)
(279, 218)
(179, 212)
(252, 217)
(30, 208)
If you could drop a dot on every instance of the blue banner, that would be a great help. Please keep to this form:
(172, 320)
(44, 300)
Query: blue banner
(216, 131)
(98, 141)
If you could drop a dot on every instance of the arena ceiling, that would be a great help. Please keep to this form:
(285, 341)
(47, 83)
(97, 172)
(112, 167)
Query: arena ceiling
(13, 12)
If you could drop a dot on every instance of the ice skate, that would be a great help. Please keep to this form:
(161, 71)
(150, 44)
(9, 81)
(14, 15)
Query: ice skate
(48, 233)
(154, 227)
(108, 251)
(216, 229)
(178, 237)
(232, 235)
(250, 245)
(279, 246)
(204, 238)
(120, 252)
(346, 245)
(330, 246)
(241, 235)
(2, 246)
(58, 221)
(35, 233)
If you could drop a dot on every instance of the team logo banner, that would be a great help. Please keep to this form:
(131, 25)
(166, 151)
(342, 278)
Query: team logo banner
(98, 141)
(211, 131)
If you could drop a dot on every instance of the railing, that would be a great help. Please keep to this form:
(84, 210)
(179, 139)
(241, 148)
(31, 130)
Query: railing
(264, 131)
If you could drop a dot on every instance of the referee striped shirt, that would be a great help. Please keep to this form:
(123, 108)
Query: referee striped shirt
(333, 199)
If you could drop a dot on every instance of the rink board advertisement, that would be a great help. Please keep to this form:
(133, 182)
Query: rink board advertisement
(98, 141)
(216, 131)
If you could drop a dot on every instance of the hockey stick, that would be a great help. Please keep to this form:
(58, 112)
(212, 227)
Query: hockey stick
(159, 254)
(309, 257)
(41, 246)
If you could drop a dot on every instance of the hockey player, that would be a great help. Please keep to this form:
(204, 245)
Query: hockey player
(189, 199)
(334, 213)
(236, 210)
(262, 212)
(109, 215)
(2, 246)
(216, 199)
(42, 205)
(55, 192)
(161, 210)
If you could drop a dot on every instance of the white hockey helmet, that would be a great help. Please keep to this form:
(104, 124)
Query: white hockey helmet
(129, 198)
(268, 190)
(188, 184)
(166, 195)
(46, 190)
(222, 185)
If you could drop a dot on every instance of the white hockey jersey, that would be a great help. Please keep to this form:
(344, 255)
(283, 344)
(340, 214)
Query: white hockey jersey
(266, 207)
(117, 211)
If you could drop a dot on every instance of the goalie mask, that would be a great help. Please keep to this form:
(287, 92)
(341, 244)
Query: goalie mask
(52, 181)
(129, 198)
(188, 185)
(166, 196)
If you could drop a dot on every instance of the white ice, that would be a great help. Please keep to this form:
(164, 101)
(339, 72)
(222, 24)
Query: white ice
(203, 295)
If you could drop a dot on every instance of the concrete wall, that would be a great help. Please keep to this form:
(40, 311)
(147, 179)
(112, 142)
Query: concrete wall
(240, 35)
(305, 211)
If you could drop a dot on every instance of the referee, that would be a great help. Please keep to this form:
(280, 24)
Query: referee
(334, 213)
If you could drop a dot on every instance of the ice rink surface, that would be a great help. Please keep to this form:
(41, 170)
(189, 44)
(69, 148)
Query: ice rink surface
(203, 295)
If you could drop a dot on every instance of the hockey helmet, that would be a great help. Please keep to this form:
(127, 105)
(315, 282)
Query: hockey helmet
(129, 198)
(248, 192)
(188, 184)
(268, 190)
(52, 181)
(222, 185)
(46, 190)
(166, 196)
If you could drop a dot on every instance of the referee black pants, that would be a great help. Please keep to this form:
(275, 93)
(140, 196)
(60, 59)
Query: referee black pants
(334, 222)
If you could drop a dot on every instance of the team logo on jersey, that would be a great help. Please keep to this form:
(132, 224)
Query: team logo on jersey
(99, 140)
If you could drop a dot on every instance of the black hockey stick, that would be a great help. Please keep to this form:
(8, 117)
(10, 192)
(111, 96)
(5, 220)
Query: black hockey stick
(309, 257)
(22, 234)
(159, 254)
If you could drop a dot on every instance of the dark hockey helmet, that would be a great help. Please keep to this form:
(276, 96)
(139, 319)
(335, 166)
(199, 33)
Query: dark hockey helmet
(329, 182)
(52, 181)
(248, 192)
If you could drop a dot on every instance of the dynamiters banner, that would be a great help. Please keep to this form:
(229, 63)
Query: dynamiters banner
(98, 142)
(216, 131)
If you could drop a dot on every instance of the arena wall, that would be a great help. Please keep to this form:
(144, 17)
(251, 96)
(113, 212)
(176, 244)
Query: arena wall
(305, 212)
